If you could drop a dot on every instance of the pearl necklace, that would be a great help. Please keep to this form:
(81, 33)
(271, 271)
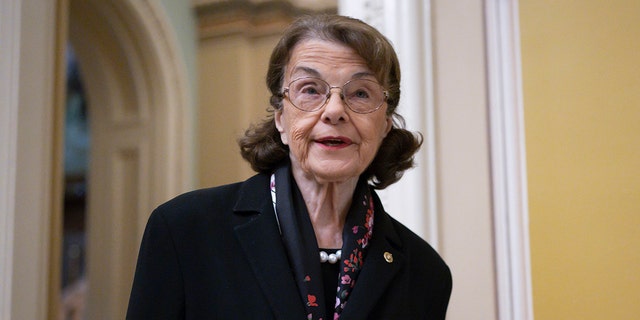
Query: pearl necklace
(331, 258)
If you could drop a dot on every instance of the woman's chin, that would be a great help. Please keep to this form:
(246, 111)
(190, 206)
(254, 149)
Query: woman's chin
(333, 174)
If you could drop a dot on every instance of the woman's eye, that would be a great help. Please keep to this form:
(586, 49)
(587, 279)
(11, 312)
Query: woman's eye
(310, 90)
(361, 94)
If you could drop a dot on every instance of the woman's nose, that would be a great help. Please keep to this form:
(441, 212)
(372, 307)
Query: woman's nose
(336, 109)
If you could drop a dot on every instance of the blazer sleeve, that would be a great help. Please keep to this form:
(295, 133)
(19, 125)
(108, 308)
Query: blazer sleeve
(441, 299)
(157, 291)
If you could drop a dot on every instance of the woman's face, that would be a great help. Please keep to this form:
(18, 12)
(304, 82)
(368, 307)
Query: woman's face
(332, 144)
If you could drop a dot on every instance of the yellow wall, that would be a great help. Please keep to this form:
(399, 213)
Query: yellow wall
(581, 63)
(233, 94)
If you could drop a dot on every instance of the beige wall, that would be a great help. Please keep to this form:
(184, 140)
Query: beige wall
(226, 94)
(582, 101)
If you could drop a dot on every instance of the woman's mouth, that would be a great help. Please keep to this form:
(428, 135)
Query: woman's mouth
(334, 142)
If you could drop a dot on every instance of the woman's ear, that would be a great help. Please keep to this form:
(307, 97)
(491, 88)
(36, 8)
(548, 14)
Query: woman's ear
(389, 126)
(277, 117)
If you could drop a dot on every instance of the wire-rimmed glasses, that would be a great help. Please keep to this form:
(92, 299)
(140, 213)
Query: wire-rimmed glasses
(312, 94)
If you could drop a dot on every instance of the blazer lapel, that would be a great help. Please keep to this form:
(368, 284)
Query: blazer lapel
(383, 261)
(260, 239)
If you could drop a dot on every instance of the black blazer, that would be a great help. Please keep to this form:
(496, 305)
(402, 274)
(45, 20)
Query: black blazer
(217, 254)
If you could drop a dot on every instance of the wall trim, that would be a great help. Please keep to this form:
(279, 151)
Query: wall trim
(9, 78)
(30, 46)
(509, 174)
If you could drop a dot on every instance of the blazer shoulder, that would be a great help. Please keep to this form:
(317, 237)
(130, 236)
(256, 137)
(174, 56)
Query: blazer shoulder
(199, 198)
(212, 200)
(420, 250)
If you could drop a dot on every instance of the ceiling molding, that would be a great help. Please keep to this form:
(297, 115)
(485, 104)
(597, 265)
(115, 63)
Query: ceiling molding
(218, 19)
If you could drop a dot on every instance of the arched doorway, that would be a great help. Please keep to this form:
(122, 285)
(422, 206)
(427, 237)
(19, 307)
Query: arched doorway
(138, 95)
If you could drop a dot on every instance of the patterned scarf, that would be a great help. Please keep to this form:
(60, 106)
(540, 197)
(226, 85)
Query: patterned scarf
(302, 247)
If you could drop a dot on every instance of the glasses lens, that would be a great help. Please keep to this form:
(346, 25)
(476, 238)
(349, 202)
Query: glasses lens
(308, 94)
(363, 95)
(360, 95)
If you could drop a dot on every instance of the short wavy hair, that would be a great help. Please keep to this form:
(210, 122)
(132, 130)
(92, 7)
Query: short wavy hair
(261, 145)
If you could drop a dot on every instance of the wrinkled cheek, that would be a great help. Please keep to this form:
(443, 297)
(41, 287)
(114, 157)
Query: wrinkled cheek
(368, 151)
(298, 143)
(298, 135)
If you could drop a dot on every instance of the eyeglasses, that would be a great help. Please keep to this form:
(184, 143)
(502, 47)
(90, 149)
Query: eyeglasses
(312, 94)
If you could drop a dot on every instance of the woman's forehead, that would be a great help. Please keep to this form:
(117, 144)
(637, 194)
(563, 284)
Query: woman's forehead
(306, 71)
(320, 58)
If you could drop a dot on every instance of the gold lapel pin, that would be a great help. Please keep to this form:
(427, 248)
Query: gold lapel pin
(388, 257)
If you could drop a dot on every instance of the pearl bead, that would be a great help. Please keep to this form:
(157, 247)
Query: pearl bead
(331, 258)
(323, 256)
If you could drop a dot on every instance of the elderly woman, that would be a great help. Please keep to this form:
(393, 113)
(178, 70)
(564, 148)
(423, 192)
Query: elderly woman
(307, 237)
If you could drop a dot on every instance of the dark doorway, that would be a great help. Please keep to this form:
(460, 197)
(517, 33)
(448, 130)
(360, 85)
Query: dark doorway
(76, 163)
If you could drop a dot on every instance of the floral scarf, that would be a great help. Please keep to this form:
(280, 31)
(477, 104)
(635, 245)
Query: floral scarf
(302, 248)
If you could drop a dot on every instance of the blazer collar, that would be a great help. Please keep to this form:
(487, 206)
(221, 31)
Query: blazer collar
(258, 233)
(384, 259)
